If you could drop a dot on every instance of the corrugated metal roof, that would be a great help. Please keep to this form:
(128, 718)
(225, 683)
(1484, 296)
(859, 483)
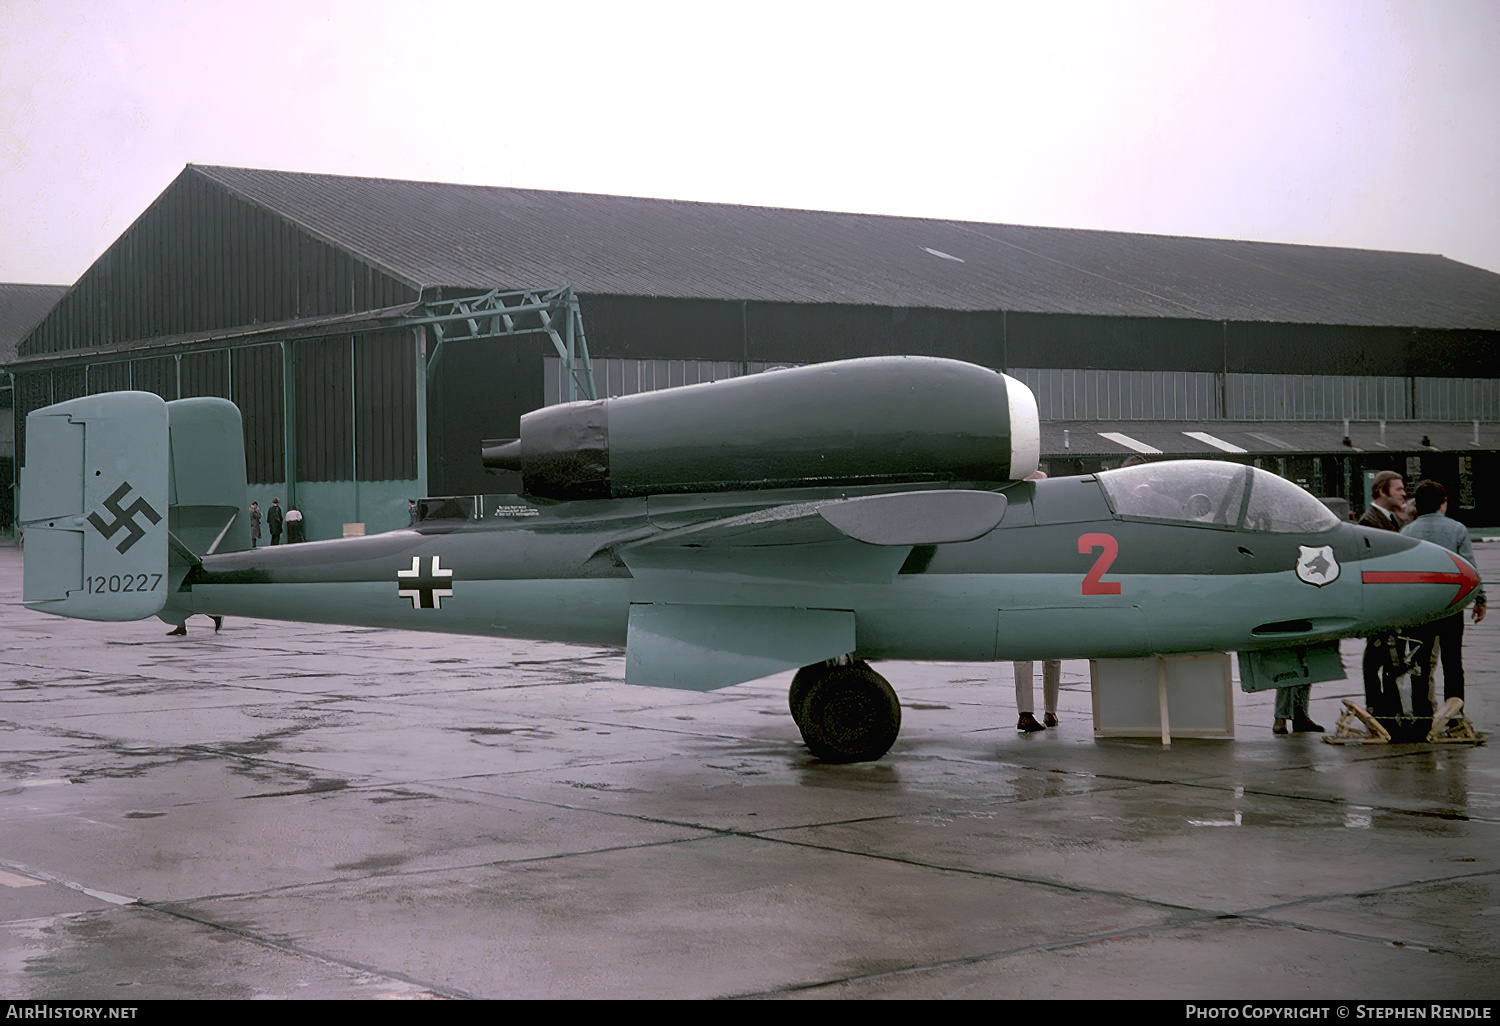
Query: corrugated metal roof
(1086, 438)
(432, 233)
(21, 306)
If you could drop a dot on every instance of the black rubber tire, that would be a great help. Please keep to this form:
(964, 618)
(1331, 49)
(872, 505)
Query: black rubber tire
(849, 714)
(802, 680)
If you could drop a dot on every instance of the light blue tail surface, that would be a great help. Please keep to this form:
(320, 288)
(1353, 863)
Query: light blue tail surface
(94, 507)
(207, 483)
(120, 493)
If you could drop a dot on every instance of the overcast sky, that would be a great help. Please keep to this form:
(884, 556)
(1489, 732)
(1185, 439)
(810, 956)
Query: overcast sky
(1337, 122)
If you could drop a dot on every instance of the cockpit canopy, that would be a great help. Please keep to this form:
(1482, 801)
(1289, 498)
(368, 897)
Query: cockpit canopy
(1214, 493)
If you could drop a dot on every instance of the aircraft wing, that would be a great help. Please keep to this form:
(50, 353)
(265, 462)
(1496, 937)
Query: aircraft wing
(864, 539)
(684, 634)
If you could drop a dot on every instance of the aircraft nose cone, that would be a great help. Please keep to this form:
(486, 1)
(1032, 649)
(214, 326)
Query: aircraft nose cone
(1417, 585)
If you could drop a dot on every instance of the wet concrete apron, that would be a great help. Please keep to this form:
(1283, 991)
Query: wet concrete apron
(283, 810)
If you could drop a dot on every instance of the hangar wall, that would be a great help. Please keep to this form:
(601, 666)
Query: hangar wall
(350, 407)
(641, 327)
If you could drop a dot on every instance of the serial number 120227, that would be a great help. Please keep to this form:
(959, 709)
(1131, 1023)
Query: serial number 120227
(123, 582)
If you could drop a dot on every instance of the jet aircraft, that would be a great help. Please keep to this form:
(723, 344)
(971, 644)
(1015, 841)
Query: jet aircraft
(816, 518)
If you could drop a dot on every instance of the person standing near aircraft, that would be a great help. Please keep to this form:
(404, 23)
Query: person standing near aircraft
(293, 526)
(1387, 501)
(181, 628)
(1384, 653)
(1025, 672)
(1291, 704)
(1447, 635)
(1025, 700)
(273, 521)
(254, 524)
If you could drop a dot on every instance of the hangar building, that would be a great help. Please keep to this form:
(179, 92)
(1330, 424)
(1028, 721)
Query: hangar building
(345, 317)
(21, 306)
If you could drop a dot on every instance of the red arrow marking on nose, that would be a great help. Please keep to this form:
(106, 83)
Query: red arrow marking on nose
(1466, 579)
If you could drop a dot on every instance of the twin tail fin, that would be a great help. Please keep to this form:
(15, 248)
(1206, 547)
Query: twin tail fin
(120, 493)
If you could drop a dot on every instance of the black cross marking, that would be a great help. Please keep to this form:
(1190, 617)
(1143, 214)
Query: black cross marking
(425, 589)
(124, 518)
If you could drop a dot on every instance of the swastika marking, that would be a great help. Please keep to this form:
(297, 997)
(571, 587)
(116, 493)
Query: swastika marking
(124, 518)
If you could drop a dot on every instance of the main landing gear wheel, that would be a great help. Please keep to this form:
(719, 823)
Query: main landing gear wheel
(847, 713)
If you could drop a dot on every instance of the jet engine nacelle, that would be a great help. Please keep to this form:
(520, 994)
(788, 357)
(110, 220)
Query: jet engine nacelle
(855, 422)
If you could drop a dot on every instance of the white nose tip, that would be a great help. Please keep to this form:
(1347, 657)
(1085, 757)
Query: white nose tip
(1025, 430)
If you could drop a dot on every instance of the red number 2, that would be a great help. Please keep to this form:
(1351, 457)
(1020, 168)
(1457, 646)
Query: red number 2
(1092, 584)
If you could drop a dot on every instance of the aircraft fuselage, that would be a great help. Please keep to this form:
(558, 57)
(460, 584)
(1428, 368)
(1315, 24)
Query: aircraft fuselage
(1061, 576)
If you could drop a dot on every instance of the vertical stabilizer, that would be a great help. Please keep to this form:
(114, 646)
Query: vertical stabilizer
(94, 507)
(208, 491)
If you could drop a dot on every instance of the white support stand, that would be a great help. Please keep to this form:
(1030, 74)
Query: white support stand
(1164, 696)
(1161, 695)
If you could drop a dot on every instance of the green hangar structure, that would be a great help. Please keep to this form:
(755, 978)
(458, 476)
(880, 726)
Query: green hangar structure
(374, 332)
